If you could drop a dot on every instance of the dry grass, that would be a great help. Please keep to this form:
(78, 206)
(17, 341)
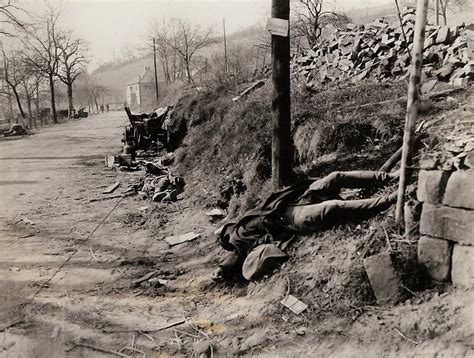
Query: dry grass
(227, 145)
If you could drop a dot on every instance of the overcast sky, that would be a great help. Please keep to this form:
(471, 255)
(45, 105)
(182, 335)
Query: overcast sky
(111, 25)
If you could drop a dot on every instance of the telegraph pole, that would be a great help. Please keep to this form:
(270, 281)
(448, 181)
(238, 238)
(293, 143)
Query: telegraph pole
(154, 64)
(281, 138)
(412, 105)
(225, 48)
(437, 12)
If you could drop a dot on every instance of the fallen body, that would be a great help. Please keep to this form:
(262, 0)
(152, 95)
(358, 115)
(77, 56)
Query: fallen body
(257, 240)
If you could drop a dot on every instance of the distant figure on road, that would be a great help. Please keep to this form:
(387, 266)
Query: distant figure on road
(102, 108)
(107, 107)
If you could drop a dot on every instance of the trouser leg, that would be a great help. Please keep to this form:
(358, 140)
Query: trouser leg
(318, 216)
(365, 208)
(335, 181)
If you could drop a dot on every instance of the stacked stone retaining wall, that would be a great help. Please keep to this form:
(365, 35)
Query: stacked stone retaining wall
(446, 245)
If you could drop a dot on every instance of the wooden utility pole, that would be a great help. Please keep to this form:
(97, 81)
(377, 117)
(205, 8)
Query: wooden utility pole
(225, 48)
(412, 104)
(281, 138)
(437, 12)
(154, 64)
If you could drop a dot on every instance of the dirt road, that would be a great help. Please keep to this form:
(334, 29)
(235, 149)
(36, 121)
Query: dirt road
(67, 284)
(71, 265)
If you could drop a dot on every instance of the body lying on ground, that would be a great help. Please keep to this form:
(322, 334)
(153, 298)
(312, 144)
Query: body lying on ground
(12, 129)
(257, 240)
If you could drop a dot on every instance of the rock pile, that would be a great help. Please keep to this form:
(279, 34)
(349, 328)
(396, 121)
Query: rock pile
(378, 51)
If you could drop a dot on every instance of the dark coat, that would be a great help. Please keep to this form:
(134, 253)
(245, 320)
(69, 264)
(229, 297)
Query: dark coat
(261, 225)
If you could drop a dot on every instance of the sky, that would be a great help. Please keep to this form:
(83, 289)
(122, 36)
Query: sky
(111, 26)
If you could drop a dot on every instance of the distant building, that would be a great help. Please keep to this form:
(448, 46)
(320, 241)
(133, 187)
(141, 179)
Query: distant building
(141, 91)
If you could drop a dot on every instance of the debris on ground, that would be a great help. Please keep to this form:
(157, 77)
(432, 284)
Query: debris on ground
(145, 129)
(249, 89)
(179, 239)
(294, 304)
(11, 130)
(383, 278)
(145, 139)
(26, 221)
(216, 214)
(111, 188)
(203, 349)
(109, 161)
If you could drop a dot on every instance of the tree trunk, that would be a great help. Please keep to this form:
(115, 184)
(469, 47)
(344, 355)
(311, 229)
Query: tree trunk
(54, 115)
(37, 106)
(188, 72)
(70, 101)
(10, 105)
(15, 92)
(96, 105)
(30, 112)
(167, 73)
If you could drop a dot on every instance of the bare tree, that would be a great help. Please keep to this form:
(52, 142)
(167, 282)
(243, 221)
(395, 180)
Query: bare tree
(89, 92)
(72, 59)
(312, 19)
(43, 53)
(163, 34)
(9, 16)
(445, 5)
(187, 41)
(14, 74)
(29, 83)
(95, 92)
(37, 80)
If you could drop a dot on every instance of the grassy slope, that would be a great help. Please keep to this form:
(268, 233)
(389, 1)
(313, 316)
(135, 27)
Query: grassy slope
(227, 146)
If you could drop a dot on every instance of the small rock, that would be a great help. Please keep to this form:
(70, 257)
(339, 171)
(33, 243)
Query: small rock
(203, 348)
(383, 278)
(301, 331)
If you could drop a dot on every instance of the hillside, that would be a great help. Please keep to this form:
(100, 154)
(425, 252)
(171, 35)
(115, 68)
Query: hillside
(115, 77)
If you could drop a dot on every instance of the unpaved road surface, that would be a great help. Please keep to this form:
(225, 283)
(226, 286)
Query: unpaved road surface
(70, 266)
(69, 261)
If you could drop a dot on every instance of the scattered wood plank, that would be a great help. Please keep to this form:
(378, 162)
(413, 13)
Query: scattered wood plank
(216, 213)
(100, 349)
(179, 239)
(124, 195)
(251, 88)
(294, 304)
(145, 330)
(111, 188)
(416, 343)
(109, 161)
(11, 324)
(145, 277)
(402, 100)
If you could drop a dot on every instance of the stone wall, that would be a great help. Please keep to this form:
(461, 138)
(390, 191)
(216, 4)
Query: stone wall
(446, 246)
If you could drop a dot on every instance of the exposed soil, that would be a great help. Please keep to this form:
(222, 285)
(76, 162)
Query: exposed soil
(46, 184)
